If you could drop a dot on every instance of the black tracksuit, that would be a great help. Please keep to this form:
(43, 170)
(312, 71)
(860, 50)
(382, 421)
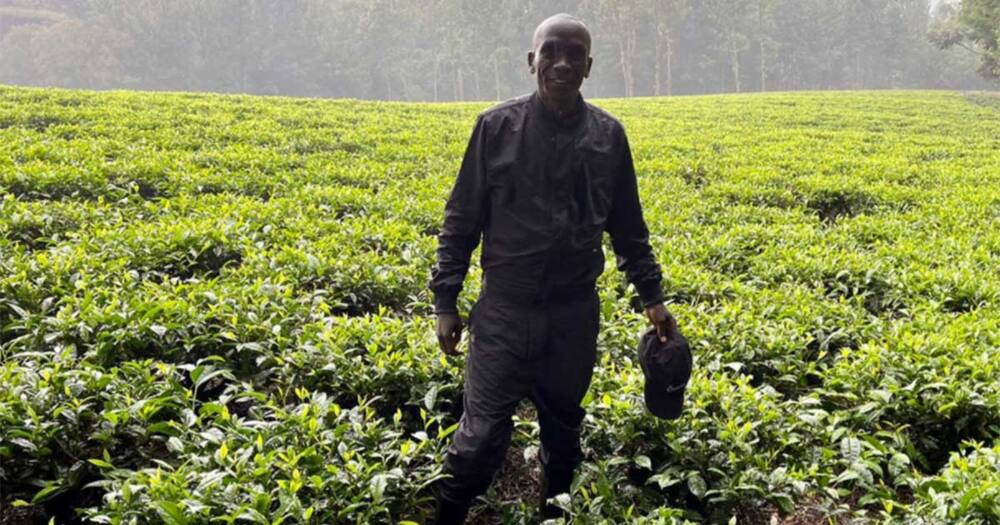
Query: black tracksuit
(540, 191)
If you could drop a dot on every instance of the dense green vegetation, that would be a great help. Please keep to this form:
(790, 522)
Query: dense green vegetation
(213, 308)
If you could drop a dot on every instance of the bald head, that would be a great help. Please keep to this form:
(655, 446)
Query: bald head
(560, 23)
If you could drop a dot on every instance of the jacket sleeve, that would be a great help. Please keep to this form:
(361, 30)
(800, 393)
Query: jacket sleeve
(629, 235)
(464, 216)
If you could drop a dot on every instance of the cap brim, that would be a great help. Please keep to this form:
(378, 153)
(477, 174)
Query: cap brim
(664, 405)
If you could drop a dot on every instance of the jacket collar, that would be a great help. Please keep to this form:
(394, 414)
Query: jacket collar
(550, 121)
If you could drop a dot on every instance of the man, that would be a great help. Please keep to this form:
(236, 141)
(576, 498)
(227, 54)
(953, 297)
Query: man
(542, 178)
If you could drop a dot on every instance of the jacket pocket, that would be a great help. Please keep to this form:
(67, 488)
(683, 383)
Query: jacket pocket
(594, 190)
(502, 183)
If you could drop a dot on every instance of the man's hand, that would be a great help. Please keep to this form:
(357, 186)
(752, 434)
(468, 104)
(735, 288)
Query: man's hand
(449, 332)
(662, 320)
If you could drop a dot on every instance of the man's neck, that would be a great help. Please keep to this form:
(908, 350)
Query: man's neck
(561, 109)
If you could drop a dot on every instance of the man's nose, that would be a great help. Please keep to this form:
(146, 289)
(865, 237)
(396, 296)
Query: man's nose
(561, 63)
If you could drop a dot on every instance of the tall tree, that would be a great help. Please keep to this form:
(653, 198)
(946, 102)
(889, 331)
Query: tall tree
(763, 11)
(975, 26)
(621, 17)
(730, 24)
(667, 16)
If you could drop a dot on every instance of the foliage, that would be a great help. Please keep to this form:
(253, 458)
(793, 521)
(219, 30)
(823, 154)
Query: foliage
(967, 490)
(972, 24)
(214, 308)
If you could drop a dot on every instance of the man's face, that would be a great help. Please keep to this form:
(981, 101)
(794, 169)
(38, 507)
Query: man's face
(560, 61)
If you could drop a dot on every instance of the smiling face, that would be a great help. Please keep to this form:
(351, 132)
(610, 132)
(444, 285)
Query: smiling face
(560, 60)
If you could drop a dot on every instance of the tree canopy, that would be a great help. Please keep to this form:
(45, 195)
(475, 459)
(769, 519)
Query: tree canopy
(973, 25)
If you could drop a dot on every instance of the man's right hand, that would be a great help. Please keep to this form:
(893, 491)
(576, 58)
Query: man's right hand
(449, 332)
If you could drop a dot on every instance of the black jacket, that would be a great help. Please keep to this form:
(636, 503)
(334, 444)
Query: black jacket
(541, 191)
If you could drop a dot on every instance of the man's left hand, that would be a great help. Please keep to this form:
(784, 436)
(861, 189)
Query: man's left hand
(662, 320)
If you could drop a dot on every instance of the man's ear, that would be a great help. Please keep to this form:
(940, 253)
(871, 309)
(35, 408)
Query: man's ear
(531, 62)
(590, 63)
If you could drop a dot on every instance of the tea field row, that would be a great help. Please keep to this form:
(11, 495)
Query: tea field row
(215, 308)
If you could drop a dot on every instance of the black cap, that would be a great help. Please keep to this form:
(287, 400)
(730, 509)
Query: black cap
(667, 367)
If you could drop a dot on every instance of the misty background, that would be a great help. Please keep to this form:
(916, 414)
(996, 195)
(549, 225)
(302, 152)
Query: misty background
(443, 50)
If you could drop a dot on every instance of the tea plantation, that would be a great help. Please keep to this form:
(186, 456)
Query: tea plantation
(213, 309)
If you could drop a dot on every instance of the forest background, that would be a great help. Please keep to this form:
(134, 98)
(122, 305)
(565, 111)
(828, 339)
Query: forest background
(443, 50)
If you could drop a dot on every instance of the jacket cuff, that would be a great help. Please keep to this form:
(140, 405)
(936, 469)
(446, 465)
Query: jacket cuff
(445, 304)
(650, 293)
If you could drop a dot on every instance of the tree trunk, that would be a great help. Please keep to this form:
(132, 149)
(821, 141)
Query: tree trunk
(763, 67)
(763, 55)
(496, 73)
(736, 68)
(857, 70)
(241, 31)
(437, 60)
(657, 46)
(656, 68)
(656, 62)
(626, 52)
(624, 65)
(406, 86)
(631, 61)
(670, 70)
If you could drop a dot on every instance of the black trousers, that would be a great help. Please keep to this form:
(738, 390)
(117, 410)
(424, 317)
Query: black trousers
(544, 351)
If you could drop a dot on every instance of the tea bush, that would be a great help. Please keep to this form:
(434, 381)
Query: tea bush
(214, 309)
